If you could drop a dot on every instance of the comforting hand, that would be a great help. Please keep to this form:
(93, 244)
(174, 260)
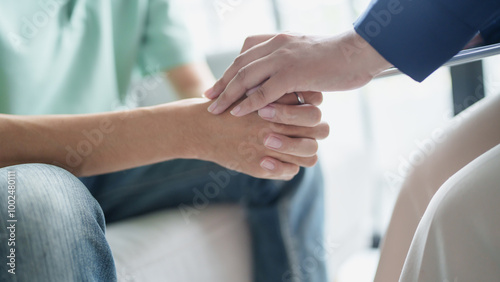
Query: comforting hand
(264, 146)
(284, 63)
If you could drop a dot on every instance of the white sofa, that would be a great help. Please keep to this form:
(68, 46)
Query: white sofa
(213, 246)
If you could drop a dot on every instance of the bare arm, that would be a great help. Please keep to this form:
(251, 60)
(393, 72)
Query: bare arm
(191, 80)
(100, 143)
(95, 143)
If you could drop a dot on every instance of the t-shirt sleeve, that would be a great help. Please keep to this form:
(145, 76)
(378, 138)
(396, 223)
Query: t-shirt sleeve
(166, 40)
(418, 36)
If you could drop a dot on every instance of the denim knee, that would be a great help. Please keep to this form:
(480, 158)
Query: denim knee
(46, 191)
(57, 225)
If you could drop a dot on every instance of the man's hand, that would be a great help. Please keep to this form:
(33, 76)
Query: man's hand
(262, 146)
(288, 63)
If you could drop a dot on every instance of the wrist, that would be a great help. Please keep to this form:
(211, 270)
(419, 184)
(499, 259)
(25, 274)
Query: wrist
(190, 118)
(369, 60)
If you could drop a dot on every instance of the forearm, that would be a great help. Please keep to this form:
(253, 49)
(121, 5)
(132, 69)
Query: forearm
(96, 143)
(99, 143)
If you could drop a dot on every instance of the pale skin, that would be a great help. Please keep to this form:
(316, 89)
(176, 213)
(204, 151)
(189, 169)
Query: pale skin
(182, 129)
(285, 63)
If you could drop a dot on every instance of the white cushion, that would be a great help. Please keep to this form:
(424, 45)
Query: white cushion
(213, 245)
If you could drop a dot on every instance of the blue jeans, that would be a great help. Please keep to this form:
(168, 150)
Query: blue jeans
(60, 227)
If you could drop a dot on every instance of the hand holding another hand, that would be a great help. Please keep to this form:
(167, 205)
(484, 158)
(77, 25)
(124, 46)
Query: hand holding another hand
(285, 63)
(273, 143)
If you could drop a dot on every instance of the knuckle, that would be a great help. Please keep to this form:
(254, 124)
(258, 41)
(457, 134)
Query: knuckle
(259, 97)
(288, 112)
(283, 114)
(249, 41)
(283, 52)
(282, 38)
(238, 61)
(242, 72)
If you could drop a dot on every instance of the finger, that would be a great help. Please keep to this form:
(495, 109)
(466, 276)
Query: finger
(254, 40)
(319, 132)
(254, 53)
(253, 90)
(300, 115)
(310, 97)
(273, 89)
(247, 78)
(276, 169)
(296, 160)
(300, 147)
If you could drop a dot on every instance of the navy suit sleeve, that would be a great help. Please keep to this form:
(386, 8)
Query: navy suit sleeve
(418, 36)
(491, 34)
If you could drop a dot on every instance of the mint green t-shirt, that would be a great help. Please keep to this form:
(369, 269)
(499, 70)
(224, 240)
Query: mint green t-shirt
(77, 56)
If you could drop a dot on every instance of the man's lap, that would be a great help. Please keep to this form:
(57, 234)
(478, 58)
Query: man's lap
(176, 184)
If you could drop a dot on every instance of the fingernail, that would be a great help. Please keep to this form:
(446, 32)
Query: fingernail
(267, 112)
(209, 93)
(273, 142)
(267, 165)
(236, 110)
(212, 107)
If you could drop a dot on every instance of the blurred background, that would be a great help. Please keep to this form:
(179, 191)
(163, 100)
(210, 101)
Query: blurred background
(375, 131)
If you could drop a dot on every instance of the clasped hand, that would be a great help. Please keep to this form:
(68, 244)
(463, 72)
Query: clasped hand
(271, 143)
